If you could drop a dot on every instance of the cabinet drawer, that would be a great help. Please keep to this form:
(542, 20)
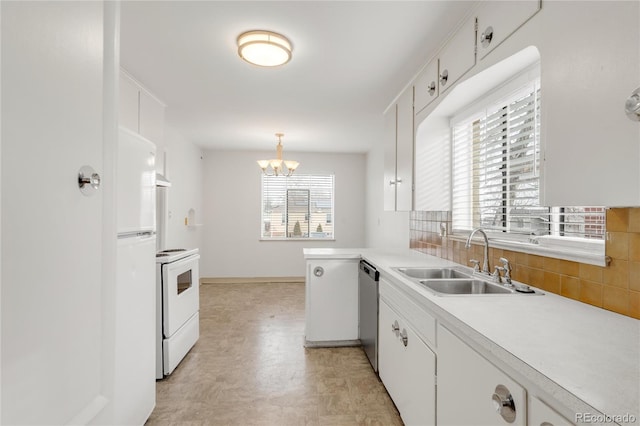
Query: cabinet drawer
(422, 322)
(497, 20)
(540, 414)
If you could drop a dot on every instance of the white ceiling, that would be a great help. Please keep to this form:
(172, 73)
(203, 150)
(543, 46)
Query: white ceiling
(350, 59)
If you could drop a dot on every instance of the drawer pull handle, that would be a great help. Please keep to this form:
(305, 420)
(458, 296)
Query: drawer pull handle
(504, 404)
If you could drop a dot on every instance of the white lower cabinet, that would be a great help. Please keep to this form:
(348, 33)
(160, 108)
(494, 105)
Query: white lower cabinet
(407, 368)
(540, 414)
(331, 302)
(471, 390)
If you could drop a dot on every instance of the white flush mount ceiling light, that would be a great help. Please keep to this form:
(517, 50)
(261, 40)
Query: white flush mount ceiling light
(277, 168)
(264, 48)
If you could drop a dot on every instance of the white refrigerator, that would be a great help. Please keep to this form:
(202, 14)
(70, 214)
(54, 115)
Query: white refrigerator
(135, 356)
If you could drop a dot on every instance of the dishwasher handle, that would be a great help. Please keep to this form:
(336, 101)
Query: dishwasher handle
(369, 270)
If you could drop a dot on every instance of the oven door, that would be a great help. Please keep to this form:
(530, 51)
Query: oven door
(180, 293)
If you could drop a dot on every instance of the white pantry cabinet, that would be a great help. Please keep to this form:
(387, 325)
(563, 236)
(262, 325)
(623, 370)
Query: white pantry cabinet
(140, 111)
(472, 391)
(497, 20)
(398, 154)
(407, 368)
(331, 302)
(458, 56)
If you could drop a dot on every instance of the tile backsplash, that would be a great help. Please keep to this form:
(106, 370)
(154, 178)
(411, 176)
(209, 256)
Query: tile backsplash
(615, 287)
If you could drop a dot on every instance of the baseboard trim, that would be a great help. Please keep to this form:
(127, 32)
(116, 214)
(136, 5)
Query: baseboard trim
(250, 280)
(331, 343)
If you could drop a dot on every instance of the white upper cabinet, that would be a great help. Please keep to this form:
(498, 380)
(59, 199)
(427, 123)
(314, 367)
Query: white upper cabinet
(398, 154)
(151, 118)
(591, 149)
(129, 103)
(458, 56)
(404, 152)
(497, 20)
(426, 86)
(389, 184)
(140, 111)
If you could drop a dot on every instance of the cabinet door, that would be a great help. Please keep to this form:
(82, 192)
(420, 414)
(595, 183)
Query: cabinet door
(458, 56)
(332, 296)
(426, 86)
(467, 383)
(407, 368)
(389, 190)
(497, 20)
(404, 152)
(151, 118)
(390, 352)
(129, 103)
(590, 147)
(540, 414)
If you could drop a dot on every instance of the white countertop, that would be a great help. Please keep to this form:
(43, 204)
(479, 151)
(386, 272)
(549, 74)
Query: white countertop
(567, 348)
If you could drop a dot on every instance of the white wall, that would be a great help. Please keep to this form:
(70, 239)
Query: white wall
(184, 168)
(383, 229)
(232, 213)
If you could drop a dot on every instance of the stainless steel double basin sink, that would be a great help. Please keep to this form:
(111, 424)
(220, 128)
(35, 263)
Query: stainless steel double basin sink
(454, 281)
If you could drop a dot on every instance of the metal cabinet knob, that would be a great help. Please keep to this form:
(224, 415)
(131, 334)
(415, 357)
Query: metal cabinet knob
(395, 328)
(431, 88)
(318, 271)
(504, 404)
(404, 337)
(88, 180)
(632, 105)
(486, 37)
(444, 76)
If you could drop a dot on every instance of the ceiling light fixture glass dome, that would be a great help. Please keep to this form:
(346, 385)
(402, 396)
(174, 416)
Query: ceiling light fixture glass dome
(264, 48)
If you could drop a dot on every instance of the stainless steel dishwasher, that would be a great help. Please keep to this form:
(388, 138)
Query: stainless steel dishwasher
(368, 303)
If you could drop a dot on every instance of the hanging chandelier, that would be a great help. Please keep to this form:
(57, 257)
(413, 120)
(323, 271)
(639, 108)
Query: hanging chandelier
(277, 166)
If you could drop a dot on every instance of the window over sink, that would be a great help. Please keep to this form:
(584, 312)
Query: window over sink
(297, 207)
(496, 170)
(479, 155)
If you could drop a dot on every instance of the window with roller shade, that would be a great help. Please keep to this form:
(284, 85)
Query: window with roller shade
(496, 173)
(297, 207)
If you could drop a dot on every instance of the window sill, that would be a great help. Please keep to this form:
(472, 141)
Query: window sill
(590, 253)
(295, 239)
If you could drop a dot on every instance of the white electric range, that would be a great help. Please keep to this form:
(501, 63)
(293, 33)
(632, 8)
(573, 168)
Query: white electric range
(177, 307)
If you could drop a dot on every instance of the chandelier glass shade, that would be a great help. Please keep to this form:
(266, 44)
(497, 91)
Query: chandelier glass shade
(264, 48)
(279, 167)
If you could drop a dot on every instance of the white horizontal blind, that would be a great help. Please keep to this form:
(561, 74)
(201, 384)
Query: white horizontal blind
(496, 174)
(298, 206)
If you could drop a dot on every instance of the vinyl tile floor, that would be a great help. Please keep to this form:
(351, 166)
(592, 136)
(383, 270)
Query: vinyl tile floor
(250, 367)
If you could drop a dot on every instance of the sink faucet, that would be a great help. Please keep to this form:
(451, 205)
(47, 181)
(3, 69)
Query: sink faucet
(485, 263)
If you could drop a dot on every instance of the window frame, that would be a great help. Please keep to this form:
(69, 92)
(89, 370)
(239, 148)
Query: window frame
(283, 219)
